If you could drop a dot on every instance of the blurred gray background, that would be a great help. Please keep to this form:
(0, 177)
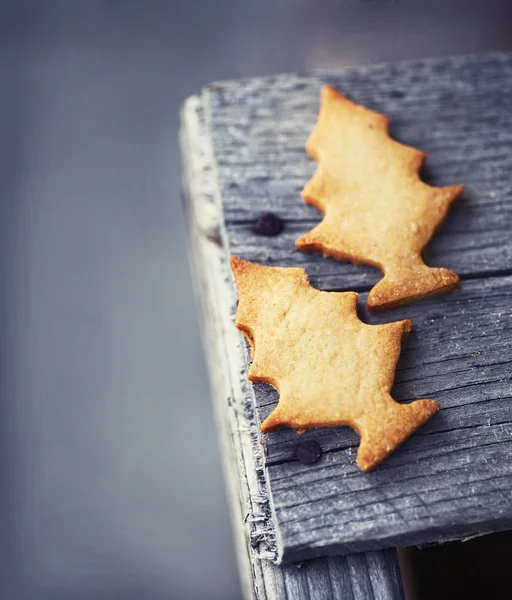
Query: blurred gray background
(110, 478)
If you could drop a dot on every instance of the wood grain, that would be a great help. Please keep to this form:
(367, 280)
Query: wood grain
(370, 576)
(454, 478)
(459, 111)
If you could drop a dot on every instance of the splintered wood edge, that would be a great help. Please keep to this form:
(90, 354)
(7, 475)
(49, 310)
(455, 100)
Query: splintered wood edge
(371, 575)
(203, 219)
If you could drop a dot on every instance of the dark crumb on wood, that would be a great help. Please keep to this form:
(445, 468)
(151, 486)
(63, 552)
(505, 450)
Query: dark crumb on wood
(308, 452)
(268, 224)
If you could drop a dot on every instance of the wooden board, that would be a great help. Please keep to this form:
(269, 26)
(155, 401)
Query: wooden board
(454, 478)
(364, 576)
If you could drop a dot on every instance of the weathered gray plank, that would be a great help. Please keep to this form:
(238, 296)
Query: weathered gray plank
(462, 358)
(457, 110)
(454, 478)
(360, 577)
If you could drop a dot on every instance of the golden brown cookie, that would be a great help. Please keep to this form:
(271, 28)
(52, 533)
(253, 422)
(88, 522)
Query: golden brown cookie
(329, 367)
(376, 208)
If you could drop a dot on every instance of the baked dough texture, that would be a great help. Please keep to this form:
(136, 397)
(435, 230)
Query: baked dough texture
(376, 208)
(328, 366)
